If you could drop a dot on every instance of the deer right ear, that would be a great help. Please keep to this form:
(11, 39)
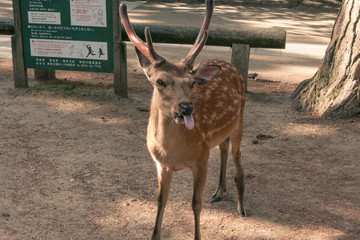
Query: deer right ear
(144, 62)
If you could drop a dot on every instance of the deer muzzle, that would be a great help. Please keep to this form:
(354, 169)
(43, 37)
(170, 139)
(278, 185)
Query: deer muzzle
(185, 116)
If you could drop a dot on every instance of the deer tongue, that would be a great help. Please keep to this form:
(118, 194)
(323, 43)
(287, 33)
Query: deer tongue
(189, 121)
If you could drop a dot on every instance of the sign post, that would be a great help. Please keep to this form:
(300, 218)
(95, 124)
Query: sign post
(20, 73)
(75, 35)
(120, 55)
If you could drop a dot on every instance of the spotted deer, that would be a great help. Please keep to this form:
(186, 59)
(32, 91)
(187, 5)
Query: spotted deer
(193, 109)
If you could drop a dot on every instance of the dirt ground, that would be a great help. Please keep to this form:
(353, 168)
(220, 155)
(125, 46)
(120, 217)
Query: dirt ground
(74, 165)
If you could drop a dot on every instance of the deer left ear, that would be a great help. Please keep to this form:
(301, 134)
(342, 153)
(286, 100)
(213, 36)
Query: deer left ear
(205, 74)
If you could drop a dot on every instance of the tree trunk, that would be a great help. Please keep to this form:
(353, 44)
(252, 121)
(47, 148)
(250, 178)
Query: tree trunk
(334, 91)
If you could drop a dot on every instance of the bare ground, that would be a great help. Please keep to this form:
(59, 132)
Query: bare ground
(74, 165)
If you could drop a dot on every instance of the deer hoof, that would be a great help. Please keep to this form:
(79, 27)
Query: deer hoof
(242, 213)
(215, 198)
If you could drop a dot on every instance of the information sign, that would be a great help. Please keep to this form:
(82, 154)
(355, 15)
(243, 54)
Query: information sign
(68, 34)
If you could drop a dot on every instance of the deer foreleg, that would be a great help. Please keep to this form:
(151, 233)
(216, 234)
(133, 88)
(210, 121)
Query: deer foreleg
(224, 149)
(199, 174)
(164, 179)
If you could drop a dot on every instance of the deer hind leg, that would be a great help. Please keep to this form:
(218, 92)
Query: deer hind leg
(164, 179)
(239, 172)
(224, 150)
(199, 175)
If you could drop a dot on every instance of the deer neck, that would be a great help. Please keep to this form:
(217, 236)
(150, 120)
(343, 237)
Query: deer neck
(161, 126)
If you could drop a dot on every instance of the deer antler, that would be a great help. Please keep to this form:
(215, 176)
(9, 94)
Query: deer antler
(148, 48)
(202, 36)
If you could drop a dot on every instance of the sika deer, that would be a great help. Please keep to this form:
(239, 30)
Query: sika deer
(192, 111)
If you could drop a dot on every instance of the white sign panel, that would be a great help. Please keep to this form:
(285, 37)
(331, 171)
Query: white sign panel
(69, 49)
(44, 17)
(90, 13)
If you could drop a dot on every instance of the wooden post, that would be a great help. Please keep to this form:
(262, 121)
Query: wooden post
(255, 37)
(19, 70)
(120, 57)
(44, 74)
(240, 56)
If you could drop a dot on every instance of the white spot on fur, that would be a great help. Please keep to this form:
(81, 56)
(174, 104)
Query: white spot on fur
(230, 109)
(220, 104)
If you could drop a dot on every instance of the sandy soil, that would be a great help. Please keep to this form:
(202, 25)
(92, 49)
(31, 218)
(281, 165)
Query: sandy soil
(74, 165)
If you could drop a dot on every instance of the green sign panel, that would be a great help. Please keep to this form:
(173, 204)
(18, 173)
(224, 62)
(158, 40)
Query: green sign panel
(68, 34)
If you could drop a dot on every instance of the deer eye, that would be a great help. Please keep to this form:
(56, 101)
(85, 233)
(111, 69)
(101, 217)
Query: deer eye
(160, 83)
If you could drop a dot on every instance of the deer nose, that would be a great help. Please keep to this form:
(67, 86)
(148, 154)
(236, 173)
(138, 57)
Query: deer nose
(186, 108)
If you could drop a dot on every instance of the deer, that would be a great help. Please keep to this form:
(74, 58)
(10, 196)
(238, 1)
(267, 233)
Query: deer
(193, 109)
